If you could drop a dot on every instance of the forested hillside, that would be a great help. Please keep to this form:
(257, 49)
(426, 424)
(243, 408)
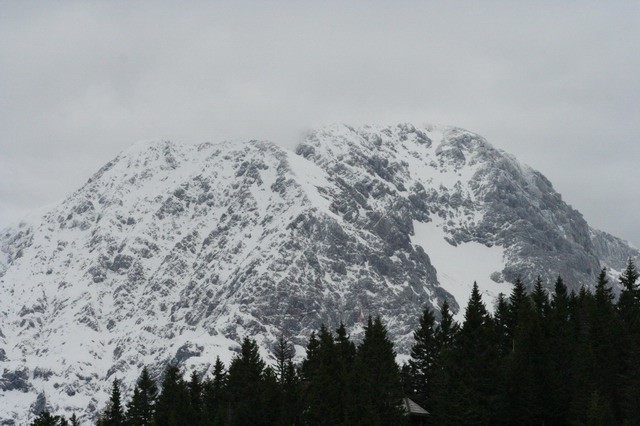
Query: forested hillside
(568, 358)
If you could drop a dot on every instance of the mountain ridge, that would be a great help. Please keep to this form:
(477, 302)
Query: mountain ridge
(174, 252)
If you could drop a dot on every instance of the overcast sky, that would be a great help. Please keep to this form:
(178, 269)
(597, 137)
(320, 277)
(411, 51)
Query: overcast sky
(555, 83)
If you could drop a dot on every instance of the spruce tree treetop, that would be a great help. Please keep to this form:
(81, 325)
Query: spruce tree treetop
(424, 354)
(219, 376)
(540, 297)
(560, 295)
(248, 363)
(284, 352)
(346, 348)
(604, 293)
(46, 419)
(502, 311)
(501, 319)
(140, 408)
(378, 387)
(173, 401)
(630, 276)
(447, 329)
(629, 301)
(195, 394)
(518, 296)
(148, 385)
(115, 413)
(476, 314)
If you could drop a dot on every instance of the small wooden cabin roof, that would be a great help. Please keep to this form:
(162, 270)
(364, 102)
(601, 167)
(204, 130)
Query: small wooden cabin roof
(414, 409)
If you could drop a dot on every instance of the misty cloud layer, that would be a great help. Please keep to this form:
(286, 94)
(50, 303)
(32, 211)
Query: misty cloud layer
(555, 84)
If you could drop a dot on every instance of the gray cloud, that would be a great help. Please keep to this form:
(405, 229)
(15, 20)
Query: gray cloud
(555, 84)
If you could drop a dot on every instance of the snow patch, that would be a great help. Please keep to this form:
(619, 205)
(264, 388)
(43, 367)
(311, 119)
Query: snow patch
(459, 266)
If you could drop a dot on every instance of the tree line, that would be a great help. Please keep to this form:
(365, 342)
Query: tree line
(566, 358)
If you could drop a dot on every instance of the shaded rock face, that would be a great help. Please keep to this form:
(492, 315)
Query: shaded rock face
(174, 253)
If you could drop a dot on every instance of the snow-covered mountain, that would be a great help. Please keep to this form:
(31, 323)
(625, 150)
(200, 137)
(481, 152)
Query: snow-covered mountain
(175, 252)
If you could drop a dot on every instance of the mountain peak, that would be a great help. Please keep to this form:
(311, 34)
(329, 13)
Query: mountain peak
(174, 253)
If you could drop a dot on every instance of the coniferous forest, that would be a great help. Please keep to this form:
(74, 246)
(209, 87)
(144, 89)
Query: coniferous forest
(565, 358)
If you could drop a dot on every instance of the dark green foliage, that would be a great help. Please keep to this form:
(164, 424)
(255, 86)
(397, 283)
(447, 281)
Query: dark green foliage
(284, 352)
(571, 359)
(248, 387)
(500, 321)
(140, 409)
(630, 276)
(114, 414)
(172, 406)
(214, 410)
(289, 386)
(46, 419)
(629, 302)
(322, 371)
(517, 299)
(447, 329)
(423, 359)
(73, 421)
(477, 357)
(346, 349)
(196, 405)
(629, 312)
(525, 367)
(377, 390)
(599, 412)
(560, 346)
(540, 298)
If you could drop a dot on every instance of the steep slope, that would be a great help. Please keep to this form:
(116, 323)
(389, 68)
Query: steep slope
(174, 253)
(471, 192)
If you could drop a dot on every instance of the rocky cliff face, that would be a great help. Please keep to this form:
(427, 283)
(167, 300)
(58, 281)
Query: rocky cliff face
(174, 253)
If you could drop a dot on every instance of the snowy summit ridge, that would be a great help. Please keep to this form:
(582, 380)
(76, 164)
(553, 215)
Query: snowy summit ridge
(173, 253)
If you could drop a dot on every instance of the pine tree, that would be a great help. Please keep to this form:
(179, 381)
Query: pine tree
(284, 352)
(114, 415)
(630, 276)
(628, 308)
(517, 299)
(560, 347)
(46, 419)
(140, 409)
(540, 298)
(345, 352)
(270, 398)
(629, 301)
(446, 394)
(584, 364)
(424, 354)
(604, 293)
(527, 367)
(376, 379)
(245, 384)
(501, 321)
(310, 363)
(605, 340)
(560, 302)
(74, 420)
(214, 389)
(477, 357)
(324, 400)
(345, 348)
(172, 404)
(195, 400)
(290, 396)
(447, 329)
